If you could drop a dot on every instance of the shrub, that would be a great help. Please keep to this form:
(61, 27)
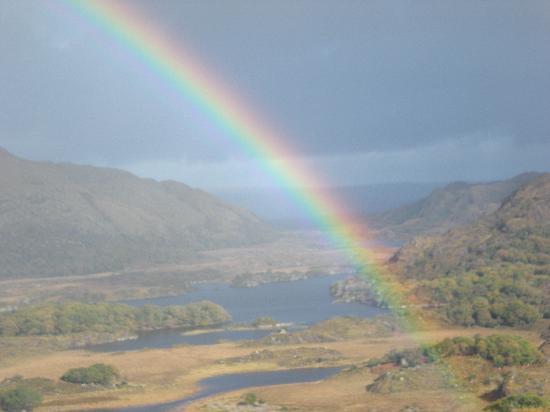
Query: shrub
(460, 345)
(512, 403)
(20, 399)
(501, 350)
(505, 350)
(98, 374)
(251, 399)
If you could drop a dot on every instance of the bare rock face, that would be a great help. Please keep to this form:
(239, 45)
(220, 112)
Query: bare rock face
(64, 219)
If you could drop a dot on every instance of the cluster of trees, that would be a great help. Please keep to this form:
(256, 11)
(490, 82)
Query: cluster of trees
(18, 394)
(73, 317)
(98, 374)
(20, 398)
(515, 402)
(501, 350)
(490, 298)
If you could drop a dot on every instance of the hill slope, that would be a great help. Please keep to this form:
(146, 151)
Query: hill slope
(454, 205)
(491, 272)
(63, 219)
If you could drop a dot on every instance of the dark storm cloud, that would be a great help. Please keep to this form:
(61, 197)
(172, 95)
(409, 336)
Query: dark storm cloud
(348, 76)
(340, 78)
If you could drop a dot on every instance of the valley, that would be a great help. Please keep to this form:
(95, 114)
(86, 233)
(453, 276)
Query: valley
(291, 256)
(287, 323)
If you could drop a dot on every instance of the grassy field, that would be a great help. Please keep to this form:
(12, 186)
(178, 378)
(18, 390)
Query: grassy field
(156, 376)
(421, 389)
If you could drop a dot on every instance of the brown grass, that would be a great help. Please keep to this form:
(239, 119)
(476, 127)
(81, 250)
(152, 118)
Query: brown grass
(157, 376)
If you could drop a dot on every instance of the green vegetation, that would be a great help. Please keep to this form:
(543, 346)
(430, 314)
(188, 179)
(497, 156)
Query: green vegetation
(98, 374)
(501, 350)
(490, 298)
(71, 318)
(494, 272)
(515, 402)
(19, 399)
(250, 399)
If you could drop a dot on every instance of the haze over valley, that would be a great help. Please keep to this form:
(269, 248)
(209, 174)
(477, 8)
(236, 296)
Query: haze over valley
(274, 206)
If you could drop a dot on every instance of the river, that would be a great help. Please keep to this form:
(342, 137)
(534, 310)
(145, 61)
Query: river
(235, 381)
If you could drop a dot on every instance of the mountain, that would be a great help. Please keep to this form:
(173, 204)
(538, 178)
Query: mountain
(64, 219)
(276, 206)
(456, 204)
(494, 271)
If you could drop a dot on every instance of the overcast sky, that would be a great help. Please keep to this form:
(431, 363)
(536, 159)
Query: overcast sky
(367, 91)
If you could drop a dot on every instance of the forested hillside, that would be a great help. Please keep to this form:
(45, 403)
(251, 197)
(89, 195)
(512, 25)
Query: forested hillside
(64, 219)
(495, 271)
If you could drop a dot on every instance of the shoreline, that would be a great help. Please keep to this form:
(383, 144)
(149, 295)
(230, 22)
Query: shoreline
(165, 375)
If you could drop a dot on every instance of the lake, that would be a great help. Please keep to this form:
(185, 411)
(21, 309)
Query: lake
(301, 302)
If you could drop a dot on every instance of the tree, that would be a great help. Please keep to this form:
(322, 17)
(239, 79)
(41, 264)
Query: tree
(20, 399)
(513, 403)
(482, 315)
(98, 374)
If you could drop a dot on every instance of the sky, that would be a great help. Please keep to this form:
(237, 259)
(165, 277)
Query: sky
(365, 91)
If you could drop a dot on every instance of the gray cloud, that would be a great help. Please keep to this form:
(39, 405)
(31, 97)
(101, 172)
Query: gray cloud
(477, 157)
(361, 89)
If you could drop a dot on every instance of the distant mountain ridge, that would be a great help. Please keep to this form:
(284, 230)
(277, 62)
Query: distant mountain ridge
(65, 219)
(275, 205)
(454, 205)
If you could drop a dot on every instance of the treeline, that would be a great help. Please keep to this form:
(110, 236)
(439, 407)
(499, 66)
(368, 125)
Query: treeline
(74, 317)
(500, 350)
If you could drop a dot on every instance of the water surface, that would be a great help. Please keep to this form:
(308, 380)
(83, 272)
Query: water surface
(232, 382)
(301, 302)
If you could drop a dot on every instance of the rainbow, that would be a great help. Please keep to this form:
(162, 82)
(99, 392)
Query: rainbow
(190, 80)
